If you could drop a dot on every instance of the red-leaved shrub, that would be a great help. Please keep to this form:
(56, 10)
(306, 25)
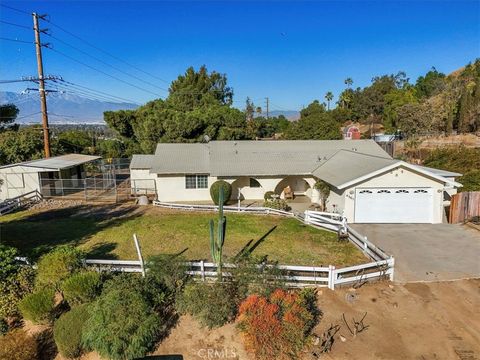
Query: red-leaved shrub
(275, 327)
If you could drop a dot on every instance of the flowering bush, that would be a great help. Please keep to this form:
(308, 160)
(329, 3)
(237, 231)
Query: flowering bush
(275, 327)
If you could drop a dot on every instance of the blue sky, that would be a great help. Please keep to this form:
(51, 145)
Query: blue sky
(292, 52)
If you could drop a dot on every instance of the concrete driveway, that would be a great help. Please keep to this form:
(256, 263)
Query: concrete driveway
(428, 252)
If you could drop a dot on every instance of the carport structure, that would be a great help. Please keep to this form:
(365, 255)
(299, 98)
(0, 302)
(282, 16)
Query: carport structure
(48, 176)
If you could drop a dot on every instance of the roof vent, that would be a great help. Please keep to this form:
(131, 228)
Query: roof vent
(354, 149)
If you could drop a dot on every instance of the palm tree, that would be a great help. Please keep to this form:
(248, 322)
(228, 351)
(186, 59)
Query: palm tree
(328, 97)
(348, 82)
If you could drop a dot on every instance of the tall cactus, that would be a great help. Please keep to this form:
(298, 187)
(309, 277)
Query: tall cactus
(216, 243)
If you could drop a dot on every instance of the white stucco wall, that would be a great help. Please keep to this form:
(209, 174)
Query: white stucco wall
(18, 180)
(172, 187)
(401, 178)
(141, 179)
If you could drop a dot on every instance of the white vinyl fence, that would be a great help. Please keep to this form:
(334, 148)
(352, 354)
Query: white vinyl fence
(239, 209)
(295, 276)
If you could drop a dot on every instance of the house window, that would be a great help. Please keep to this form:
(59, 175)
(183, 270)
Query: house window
(202, 181)
(254, 183)
(196, 181)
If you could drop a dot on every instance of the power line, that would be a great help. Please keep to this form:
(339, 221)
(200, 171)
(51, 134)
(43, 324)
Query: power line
(21, 117)
(103, 72)
(100, 92)
(15, 9)
(107, 53)
(13, 24)
(17, 40)
(89, 93)
(107, 64)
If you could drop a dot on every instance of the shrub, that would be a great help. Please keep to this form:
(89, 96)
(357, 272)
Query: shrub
(127, 315)
(212, 305)
(8, 265)
(169, 271)
(153, 292)
(3, 327)
(67, 331)
(268, 195)
(278, 204)
(38, 307)
(57, 265)
(470, 181)
(82, 287)
(13, 289)
(215, 191)
(255, 276)
(276, 327)
(18, 345)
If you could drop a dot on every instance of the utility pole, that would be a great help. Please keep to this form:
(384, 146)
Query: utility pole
(41, 84)
(267, 100)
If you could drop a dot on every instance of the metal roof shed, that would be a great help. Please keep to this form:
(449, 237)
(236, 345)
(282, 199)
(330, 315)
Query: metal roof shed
(41, 175)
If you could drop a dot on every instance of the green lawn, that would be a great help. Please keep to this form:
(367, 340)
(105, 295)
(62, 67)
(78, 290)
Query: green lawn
(106, 232)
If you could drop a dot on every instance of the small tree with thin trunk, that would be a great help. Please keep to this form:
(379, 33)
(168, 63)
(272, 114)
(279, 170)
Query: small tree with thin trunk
(324, 190)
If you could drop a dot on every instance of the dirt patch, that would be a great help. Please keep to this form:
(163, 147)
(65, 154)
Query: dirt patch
(195, 343)
(424, 321)
(415, 321)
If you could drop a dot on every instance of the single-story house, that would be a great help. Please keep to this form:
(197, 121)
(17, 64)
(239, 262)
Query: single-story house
(367, 185)
(47, 176)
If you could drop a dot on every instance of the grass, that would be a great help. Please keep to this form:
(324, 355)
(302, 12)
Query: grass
(106, 232)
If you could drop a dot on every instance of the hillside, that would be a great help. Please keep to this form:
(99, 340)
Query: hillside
(63, 108)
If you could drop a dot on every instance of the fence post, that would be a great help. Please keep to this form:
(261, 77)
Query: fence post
(140, 258)
(202, 269)
(391, 263)
(85, 187)
(331, 277)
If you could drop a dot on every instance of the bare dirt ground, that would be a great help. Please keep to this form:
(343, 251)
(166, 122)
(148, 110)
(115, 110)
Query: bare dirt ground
(413, 321)
(424, 321)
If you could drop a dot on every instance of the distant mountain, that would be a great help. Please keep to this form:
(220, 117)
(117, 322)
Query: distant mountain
(62, 108)
(289, 114)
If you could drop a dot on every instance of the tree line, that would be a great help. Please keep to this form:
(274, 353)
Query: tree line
(199, 107)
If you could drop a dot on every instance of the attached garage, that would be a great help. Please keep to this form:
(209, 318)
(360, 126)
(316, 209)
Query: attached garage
(394, 205)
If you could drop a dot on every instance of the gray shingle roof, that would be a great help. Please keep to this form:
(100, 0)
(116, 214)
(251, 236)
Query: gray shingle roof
(255, 158)
(346, 166)
(175, 159)
(294, 157)
(58, 162)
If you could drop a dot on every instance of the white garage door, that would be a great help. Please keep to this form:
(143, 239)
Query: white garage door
(394, 205)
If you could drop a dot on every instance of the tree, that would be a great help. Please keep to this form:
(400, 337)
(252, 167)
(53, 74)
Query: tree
(328, 97)
(121, 121)
(199, 88)
(8, 114)
(199, 104)
(393, 100)
(314, 123)
(22, 145)
(349, 82)
(431, 84)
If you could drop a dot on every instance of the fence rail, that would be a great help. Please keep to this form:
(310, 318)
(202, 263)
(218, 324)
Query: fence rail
(381, 267)
(98, 188)
(239, 209)
(293, 275)
(20, 201)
